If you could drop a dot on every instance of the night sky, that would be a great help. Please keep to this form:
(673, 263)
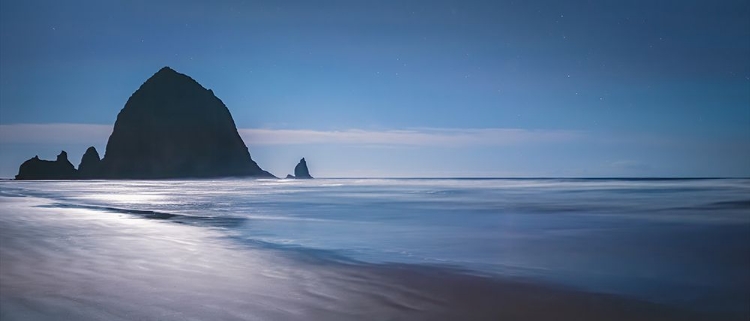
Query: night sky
(400, 88)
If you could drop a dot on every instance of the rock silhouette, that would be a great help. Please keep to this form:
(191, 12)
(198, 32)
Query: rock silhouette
(172, 127)
(301, 171)
(289, 176)
(90, 165)
(36, 168)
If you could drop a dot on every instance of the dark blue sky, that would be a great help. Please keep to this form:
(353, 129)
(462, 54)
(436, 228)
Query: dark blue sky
(403, 88)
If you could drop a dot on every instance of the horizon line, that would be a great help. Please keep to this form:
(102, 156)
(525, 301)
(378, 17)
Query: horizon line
(432, 178)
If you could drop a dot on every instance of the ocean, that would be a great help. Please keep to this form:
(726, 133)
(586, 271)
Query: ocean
(683, 243)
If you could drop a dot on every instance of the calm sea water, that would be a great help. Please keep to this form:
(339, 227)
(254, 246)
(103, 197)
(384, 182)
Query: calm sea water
(681, 242)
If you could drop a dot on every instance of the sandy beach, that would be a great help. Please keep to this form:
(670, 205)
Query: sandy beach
(78, 264)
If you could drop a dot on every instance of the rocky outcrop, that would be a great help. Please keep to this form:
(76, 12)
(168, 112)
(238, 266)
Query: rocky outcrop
(90, 164)
(36, 168)
(289, 176)
(172, 127)
(301, 171)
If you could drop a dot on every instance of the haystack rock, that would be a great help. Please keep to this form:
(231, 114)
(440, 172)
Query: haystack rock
(90, 165)
(36, 168)
(172, 127)
(301, 171)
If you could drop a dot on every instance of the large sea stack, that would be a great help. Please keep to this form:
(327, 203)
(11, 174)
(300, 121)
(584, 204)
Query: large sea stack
(172, 127)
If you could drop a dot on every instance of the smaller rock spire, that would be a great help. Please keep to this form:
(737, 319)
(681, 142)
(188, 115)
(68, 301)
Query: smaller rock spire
(301, 171)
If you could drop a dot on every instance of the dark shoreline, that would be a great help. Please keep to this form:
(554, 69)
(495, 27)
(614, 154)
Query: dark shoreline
(457, 294)
(465, 296)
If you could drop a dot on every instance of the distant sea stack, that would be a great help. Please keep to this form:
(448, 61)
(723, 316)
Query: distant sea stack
(301, 171)
(36, 168)
(171, 127)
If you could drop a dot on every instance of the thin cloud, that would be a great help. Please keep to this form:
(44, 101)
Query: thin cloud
(415, 137)
(449, 137)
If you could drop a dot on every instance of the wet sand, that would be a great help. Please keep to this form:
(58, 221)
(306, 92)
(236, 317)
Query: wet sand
(79, 264)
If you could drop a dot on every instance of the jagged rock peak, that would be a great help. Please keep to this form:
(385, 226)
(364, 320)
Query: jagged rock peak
(301, 171)
(62, 157)
(35, 168)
